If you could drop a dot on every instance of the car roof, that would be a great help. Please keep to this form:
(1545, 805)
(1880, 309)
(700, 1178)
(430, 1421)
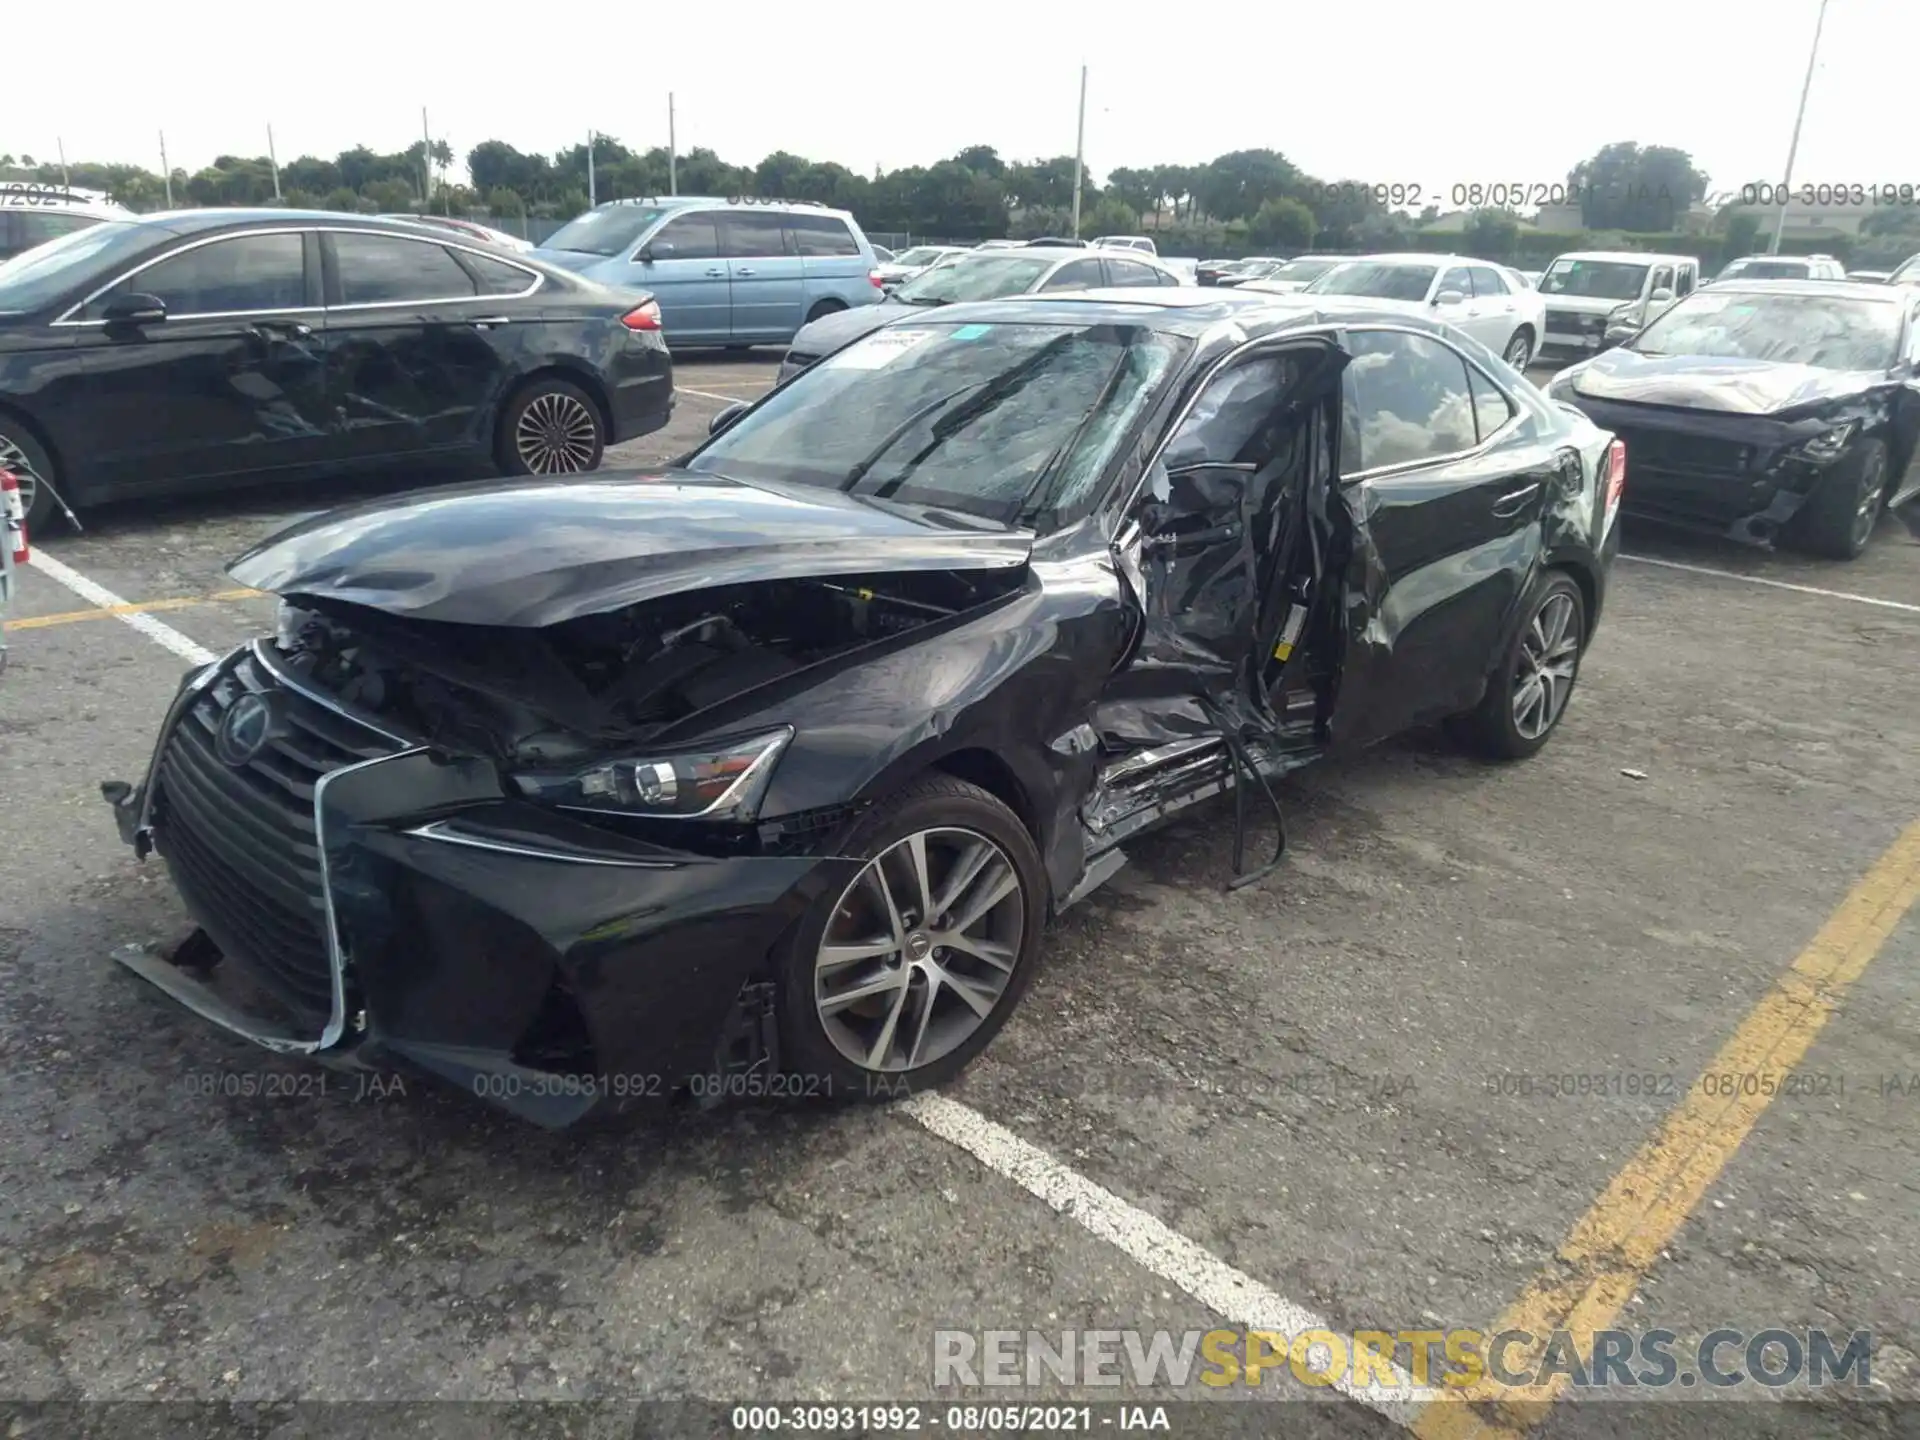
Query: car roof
(1846, 289)
(194, 222)
(1631, 257)
(1188, 310)
(723, 202)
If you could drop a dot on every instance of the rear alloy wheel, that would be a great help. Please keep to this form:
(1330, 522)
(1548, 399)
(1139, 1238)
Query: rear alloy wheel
(1529, 690)
(923, 953)
(1519, 351)
(551, 428)
(21, 453)
(1838, 518)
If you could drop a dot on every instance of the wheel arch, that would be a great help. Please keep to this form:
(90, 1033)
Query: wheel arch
(42, 437)
(574, 373)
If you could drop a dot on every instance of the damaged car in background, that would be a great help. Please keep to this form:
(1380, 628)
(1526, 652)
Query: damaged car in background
(1768, 411)
(764, 773)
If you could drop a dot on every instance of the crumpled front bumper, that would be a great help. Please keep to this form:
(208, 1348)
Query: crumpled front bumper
(548, 966)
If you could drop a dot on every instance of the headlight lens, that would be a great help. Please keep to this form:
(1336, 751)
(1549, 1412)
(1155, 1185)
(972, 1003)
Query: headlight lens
(724, 781)
(1823, 449)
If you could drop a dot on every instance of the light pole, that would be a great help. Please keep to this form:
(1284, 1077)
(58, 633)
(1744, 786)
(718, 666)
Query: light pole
(1793, 146)
(1080, 152)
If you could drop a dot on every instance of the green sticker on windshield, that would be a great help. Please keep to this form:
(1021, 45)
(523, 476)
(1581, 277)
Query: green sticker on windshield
(969, 332)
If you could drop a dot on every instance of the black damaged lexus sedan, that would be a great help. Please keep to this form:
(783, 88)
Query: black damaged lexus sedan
(202, 348)
(764, 773)
(1767, 410)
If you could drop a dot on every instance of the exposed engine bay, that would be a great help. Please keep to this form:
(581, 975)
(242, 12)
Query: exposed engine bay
(532, 696)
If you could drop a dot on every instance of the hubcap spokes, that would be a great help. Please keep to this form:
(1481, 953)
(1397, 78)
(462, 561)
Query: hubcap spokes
(555, 436)
(1549, 657)
(13, 458)
(920, 949)
(1872, 483)
(1519, 352)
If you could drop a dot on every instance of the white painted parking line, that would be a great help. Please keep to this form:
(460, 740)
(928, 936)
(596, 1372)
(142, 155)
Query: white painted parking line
(1148, 1241)
(157, 631)
(1776, 584)
(709, 395)
(1144, 1238)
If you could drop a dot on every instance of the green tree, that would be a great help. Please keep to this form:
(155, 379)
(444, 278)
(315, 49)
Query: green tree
(1112, 216)
(1046, 184)
(1492, 234)
(1742, 237)
(782, 175)
(1234, 186)
(983, 160)
(1282, 224)
(1625, 186)
(1136, 190)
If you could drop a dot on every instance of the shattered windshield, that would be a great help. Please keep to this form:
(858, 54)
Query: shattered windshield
(993, 420)
(1831, 332)
(1594, 279)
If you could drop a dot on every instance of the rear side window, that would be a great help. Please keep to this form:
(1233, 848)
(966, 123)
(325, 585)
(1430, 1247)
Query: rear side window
(1487, 282)
(1408, 399)
(24, 229)
(686, 237)
(1491, 409)
(752, 235)
(386, 270)
(822, 235)
(496, 277)
(1684, 284)
(1080, 275)
(1662, 279)
(244, 274)
(1131, 272)
(1456, 279)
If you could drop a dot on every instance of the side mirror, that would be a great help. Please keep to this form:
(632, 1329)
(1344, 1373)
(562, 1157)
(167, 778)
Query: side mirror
(1449, 297)
(643, 256)
(726, 417)
(135, 310)
(1661, 296)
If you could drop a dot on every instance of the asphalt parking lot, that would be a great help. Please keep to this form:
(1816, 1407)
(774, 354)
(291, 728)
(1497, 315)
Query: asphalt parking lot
(1334, 1095)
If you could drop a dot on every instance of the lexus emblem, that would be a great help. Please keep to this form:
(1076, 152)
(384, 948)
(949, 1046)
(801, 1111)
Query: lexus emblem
(245, 731)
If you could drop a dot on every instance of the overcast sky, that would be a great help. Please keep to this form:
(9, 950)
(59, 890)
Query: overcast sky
(1389, 90)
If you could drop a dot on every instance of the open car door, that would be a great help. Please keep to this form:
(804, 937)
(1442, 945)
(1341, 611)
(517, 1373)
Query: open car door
(1220, 552)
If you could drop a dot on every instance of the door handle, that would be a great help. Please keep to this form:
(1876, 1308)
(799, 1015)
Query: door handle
(490, 321)
(717, 274)
(273, 329)
(1514, 501)
(743, 272)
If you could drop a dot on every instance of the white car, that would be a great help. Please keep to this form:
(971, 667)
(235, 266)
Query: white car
(1143, 243)
(32, 213)
(1589, 292)
(908, 263)
(472, 230)
(1475, 296)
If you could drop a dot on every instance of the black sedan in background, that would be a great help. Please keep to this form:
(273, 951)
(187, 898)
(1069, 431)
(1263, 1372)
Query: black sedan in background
(1767, 410)
(204, 347)
(765, 775)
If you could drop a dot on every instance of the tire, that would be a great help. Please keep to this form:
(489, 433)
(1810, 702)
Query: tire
(824, 307)
(821, 1042)
(550, 426)
(1838, 519)
(1520, 346)
(27, 458)
(1496, 727)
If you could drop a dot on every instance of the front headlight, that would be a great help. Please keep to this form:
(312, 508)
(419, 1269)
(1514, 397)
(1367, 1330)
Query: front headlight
(1825, 449)
(724, 781)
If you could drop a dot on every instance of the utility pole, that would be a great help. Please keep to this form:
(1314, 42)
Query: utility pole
(1793, 146)
(274, 161)
(66, 180)
(673, 151)
(1080, 152)
(592, 195)
(166, 171)
(426, 164)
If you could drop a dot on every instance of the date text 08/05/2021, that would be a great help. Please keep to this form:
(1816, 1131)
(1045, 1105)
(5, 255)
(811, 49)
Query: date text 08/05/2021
(958, 1419)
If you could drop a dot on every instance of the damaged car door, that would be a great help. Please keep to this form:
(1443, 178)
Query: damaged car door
(1213, 548)
(1446, 530)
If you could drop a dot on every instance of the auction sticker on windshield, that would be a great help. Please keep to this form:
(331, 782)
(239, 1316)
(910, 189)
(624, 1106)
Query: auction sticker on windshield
(879, 350)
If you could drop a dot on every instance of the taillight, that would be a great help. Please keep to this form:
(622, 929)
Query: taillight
(1616, 478)
(873, 279)
(643, 317)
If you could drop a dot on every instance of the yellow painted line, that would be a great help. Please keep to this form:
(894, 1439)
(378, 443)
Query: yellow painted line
(103, 612)
(1604, 1257)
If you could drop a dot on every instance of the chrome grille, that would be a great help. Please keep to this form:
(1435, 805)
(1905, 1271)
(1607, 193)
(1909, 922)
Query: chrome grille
(241, 842)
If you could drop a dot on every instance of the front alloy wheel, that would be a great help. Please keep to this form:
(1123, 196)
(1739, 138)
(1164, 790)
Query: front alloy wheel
(908, 966)
(920, 949)
(1519, 351)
